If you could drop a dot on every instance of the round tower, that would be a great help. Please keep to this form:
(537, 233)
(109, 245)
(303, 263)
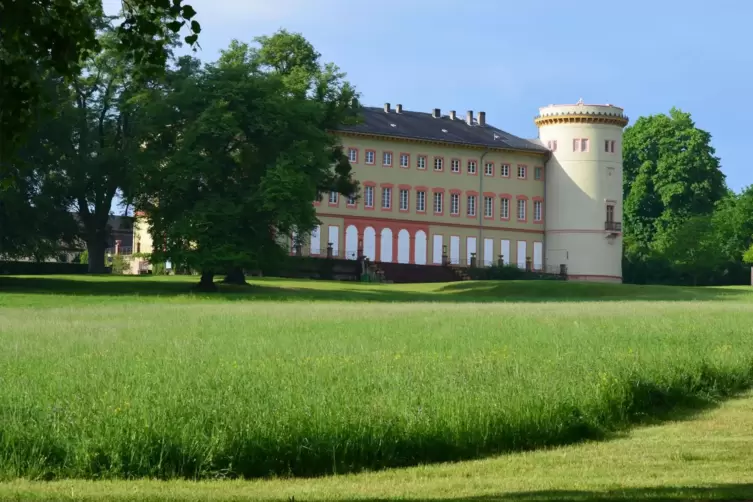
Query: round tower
(583, 199)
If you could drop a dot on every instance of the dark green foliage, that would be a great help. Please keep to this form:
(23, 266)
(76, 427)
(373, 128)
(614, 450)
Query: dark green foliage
(235, 155)
(37, 36)
(41, 268)
(509, 272)
(682, 224)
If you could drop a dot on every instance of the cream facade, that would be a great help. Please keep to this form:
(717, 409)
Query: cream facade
(420, 200)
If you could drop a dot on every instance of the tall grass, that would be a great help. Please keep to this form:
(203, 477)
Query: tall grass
(199, 388)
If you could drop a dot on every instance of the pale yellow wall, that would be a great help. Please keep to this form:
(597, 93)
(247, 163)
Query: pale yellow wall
(142, 242)
(445, 179)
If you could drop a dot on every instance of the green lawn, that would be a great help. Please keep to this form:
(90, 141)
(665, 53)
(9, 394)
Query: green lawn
(700, 458)
(136, 377)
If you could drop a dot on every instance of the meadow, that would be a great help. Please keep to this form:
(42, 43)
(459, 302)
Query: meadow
(122, 378)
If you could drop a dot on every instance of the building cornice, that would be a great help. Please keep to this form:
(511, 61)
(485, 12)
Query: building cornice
(449, 144)
(617, 120)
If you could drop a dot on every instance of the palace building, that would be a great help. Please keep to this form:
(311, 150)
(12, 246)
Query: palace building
(440, 186)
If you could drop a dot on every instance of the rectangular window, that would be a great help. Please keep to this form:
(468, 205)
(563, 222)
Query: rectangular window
(438, 202)
(471, 167)
(471, 205)
(552, 145)
(488, 207)
(404, 160)
(455, 166)
(455, 204)
(606, 146)
(387, 159)
(386, 198)
(504, 170)
(522, 172)
(403, 200)
(370, 156)
(421, 201)
(610, 213)
(368, 196)
(352, 200)
(521, 209)
(580, 145)
(421, 162)
(333, 197)
(537, 210)
(489, 169)
(537, 173)
(352, 155)
(611, 146)
(504, 208)
(438, 163)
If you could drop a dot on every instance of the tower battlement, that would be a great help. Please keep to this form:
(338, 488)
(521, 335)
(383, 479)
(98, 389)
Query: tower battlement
(581, 113)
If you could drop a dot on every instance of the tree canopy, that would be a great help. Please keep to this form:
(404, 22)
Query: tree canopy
(671, 173)
(41, 35)
(237, 152)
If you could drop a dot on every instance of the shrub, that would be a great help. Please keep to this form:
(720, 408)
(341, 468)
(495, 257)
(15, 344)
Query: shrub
(119, 264)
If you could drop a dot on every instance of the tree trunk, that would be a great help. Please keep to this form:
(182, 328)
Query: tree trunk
(236, 276)
(96, 249)
(206, 284)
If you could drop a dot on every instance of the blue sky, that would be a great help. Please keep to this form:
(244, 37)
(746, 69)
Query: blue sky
(508, 58)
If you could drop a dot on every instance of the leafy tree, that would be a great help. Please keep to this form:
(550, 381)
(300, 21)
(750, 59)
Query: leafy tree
(57, 35)
(34, 217)
(671, 173)
(235, 157)
(693, 248)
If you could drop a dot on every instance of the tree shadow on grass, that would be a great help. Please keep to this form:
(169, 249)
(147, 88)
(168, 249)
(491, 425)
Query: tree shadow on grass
(731, 492)
(299, 290)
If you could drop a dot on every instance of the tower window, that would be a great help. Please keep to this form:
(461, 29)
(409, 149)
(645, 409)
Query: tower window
(609, 146)
(552, 145)
(580, 145)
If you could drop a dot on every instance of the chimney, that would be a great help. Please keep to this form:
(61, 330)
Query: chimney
(452, 115)
(469, 117)
(482, 118)
(398, 108)
(436, 113)
(386, 108)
